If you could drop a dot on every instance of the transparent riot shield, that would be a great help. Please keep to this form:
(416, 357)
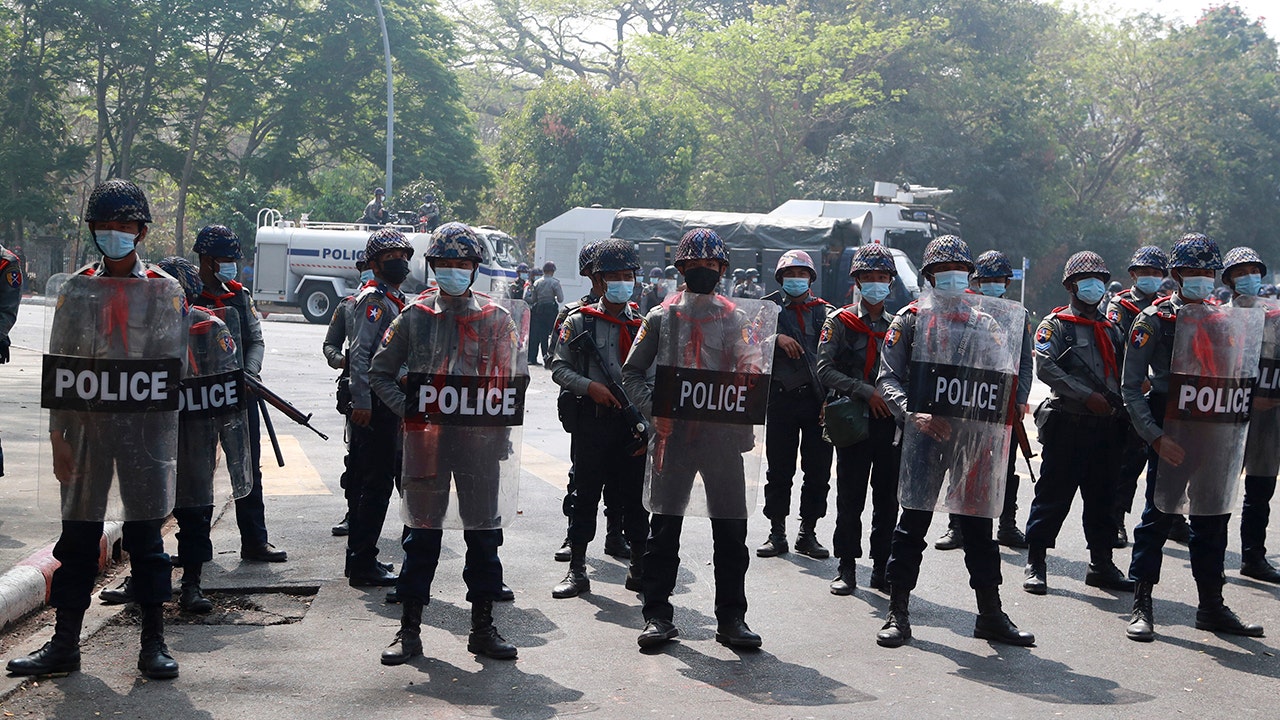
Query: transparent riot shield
(212, 410)
(711, 387)
(110, 384)
(1212, 373)
(963, 374)
(463, 412)
(1262, 448)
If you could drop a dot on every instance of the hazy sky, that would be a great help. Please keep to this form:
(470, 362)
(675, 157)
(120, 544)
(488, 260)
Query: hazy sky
(1187, 10)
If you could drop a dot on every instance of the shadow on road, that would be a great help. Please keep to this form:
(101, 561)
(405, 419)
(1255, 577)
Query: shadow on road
(498, 688)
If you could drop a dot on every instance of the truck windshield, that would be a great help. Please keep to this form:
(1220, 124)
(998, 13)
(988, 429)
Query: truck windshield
(505, 250)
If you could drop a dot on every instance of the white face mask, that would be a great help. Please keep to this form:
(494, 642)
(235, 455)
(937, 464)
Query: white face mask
(115, 244)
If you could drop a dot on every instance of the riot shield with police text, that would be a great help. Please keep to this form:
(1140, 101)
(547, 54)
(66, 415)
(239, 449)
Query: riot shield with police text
(711, 388)
(463, 412)
(212, 411)
(1262, 448)
(1211, 383)
(963, 375)
(110, 383)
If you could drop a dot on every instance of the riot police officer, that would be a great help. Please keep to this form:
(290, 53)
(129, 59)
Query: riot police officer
(795, 409)
(441, 337)
(89, 453)
(607, 456)
(654, 293)
(517, 288)
(1148, 269)
(954, 321)
(219, 249)
(1243, 271)
(335, 353)
(699, 330)
(992, 273)
(545, 298)
(1148, 360)
(374, 425)
(1080, 429)
(750, 288)
(848, 362)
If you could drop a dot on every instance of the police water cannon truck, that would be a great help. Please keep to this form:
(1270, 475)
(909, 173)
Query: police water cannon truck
(312, 265)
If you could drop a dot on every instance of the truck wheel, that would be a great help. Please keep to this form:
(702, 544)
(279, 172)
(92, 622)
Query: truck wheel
(318, 302)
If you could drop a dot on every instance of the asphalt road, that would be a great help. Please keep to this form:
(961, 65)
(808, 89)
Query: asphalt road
(294, 641)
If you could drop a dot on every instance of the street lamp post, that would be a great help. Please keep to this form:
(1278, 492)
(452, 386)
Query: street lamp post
(391, 101)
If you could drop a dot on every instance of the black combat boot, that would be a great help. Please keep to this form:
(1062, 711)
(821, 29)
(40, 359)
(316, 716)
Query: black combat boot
(846, 581)
(408, 642)
(636, 571)
(777, 543)
(119, 595)
(897, 629)
(950, 540)
(878, 581)
(1122, 533)
(564, 553)
(1142, 624)
(615, 543)
(993, 624)
(1258, 568)
(1103, 572)
(60, 655)
(484, 638)
(1036, 582)
(1179, 529)
(1213, 615)
(575, 582)
(1009, 535)
(807, 541)
(154, 660)
(192, 598)
(735, 633)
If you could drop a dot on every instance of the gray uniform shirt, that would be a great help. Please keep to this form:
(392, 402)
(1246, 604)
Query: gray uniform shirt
(546, 290)
(372, 312)
(842, 353)
(335, 338)
(567, 370)
(1069, 381)
(1148, 354)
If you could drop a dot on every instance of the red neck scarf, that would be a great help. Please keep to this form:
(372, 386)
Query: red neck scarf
(800, 308)
(697, 336)
(855, 323)
(1100, 337)
(625, 336)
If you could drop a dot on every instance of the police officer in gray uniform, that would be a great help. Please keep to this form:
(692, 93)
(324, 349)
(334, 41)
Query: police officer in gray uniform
(1243, 271)
(947, 265)
(1148, 268)
(10, 298)
(1080, 429)
(1148, 359)
(335, 353)
(603, 462)
(374, 426)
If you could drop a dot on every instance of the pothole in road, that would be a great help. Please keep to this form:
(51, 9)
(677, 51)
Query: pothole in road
(236, 607)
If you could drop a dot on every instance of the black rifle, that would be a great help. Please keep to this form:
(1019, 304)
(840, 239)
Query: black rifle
(1113, 399)
(257, 388)
(271, 432)
(635, 419)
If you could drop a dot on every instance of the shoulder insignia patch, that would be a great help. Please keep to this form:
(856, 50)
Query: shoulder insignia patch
(1113, 315)
(1140, 336)
(644, 330)
(390, 333)
(1044, 334)
(826, 334)
(566, 331)
(13, 278)
(373, 313)
(227, 344)
(892, 337)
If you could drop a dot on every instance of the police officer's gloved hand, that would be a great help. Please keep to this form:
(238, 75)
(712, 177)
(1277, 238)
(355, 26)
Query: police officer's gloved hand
(4, 350)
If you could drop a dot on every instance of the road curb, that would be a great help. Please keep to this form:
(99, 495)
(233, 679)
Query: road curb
(25, 587)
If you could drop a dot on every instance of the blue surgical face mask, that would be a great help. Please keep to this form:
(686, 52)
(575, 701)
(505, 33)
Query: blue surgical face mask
(453, 281)
(951, 282)
(992, 289)
(522, 276)
(1090, 291)
(875, 292)
(227, 271)
(115, 244)
(1197, 288)
(366, 276)
(1250, 284)
(618, 291)
(795, 287)
(1148, 284)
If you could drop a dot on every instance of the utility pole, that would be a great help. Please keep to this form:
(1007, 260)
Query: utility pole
(391, 100)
